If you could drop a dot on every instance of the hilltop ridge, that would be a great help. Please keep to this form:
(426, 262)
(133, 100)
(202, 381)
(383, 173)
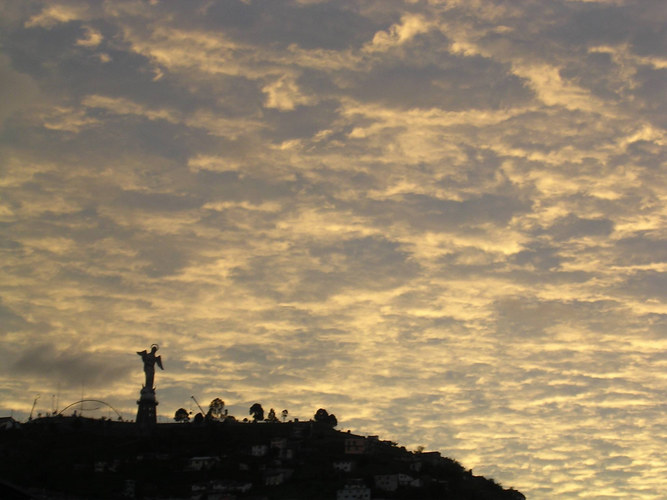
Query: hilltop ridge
(76, 457)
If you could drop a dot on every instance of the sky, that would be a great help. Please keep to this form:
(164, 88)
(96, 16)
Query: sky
(441, 220)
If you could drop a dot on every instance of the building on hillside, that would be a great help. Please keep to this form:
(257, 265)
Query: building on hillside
(280, 447)
(259, 450)
(355, 446)
(219, 489)
(354, 490)
(276, 477)
(418, 483)
(404, 479)
(279, 443)
(416, 465)
(343, 465)
(202, 463)
(429, 457)
(386, 482)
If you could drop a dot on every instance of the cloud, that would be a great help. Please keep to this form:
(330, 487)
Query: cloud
(284, 94)
(640, 249)
(361, 264)
(19, 91)
(11, 322)
(577, 227)
(400, 33)
(92, 38)
(55, 14)
(71, 367)
(441, 221)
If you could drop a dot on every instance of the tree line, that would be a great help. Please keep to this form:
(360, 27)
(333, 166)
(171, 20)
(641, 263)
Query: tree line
(218, 412)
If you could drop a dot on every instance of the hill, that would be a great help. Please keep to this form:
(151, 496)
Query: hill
(75, 457)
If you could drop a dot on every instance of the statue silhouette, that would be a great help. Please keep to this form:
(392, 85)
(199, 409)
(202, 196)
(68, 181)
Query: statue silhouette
(149, 359)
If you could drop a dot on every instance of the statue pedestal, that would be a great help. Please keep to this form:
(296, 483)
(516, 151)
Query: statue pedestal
(146, 414)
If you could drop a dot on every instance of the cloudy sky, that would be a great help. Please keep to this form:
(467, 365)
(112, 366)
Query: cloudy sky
(441, 220)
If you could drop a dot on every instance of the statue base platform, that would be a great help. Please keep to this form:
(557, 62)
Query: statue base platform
(147, 414)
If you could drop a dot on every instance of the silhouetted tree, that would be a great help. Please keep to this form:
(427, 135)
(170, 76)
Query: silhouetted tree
(257, 412)
(216, 409)
(272, 416)
(199, 418)
(323, 417)
(181, 415)
(284, 413)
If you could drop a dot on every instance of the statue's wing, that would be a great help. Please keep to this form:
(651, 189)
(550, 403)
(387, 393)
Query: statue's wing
(142, 353)
(158, 360)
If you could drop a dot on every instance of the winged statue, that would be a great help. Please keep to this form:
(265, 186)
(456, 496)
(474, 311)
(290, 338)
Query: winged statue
(150, 360)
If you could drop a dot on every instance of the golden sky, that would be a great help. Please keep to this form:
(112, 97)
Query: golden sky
(443, 221)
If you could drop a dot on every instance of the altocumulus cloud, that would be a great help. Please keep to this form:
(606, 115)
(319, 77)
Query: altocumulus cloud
(442, 221)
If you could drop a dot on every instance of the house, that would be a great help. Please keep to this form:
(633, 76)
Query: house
(211, 495)
(355, 446)
(280, 448)
(229, 486)
(130, 489)
(259, 450)
(199, 487)
(279, 443)
(218, 489)
(429, 457)
(404, 479)
(386, 482)
(104, 466)
(276, 477)
(299, 431)
(343, 465)
(202, 463)
(416, 466)
(418, 483)
(355, 490)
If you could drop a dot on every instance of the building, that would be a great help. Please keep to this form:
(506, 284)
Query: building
(429, 457)
(280, 448)
(355, 490)
(259, 450)
(404, 479)
(355, 446)
(386, 482)
(202, 463)
(343, 465)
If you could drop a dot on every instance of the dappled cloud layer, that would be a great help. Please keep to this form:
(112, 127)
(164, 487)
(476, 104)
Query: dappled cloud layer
(443, 221)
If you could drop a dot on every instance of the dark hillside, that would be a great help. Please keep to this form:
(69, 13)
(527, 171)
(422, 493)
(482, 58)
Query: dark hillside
(73, 457)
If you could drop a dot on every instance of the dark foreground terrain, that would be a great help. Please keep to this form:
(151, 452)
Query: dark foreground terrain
(75, 458)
